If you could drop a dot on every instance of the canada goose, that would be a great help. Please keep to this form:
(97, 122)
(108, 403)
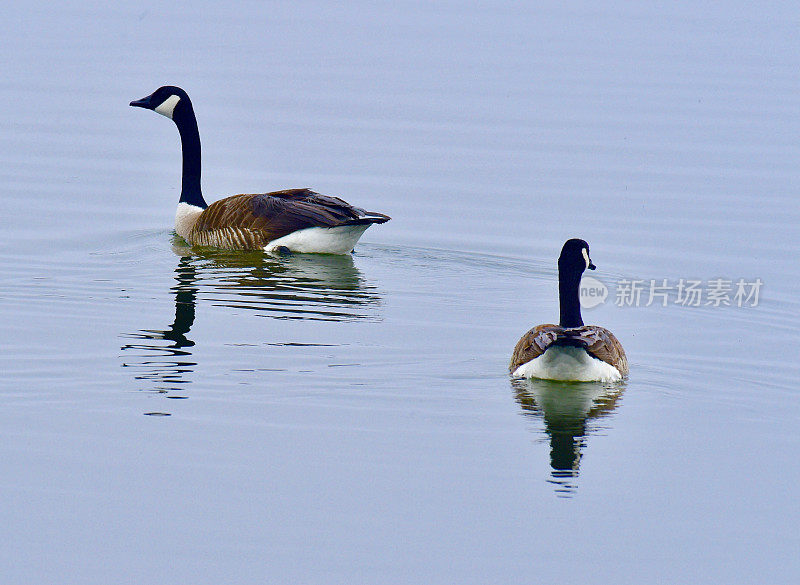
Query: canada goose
(570, 350)
(299, 220)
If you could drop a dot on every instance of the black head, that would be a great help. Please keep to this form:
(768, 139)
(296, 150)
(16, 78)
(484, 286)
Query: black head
(164, 100)
(575, 257)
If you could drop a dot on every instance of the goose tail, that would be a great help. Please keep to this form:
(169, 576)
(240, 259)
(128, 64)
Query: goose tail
(369, 218)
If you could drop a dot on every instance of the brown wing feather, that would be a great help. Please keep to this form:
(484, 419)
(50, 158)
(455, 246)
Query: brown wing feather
(253, 220)
(603, 345)
(598, 342)
(533, 344)
(314, 198)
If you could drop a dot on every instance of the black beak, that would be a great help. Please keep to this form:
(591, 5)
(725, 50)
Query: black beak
(591, 266)
(142, 103)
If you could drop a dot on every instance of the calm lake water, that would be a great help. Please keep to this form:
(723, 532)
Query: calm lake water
(351, 419)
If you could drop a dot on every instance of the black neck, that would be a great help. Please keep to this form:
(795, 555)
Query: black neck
(190, 145)
(568, 289)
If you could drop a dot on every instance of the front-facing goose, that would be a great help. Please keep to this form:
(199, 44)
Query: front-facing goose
(295, 219)
(570, 350)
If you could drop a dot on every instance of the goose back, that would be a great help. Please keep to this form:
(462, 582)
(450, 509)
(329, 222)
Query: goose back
(598, 342)
(251, 221)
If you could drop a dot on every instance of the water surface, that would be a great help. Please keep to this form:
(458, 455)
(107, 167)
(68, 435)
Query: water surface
(351, 419)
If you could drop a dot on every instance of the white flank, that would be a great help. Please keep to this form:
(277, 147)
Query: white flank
(320, 240)
(185, 217)
(168, 106)
(569, 364)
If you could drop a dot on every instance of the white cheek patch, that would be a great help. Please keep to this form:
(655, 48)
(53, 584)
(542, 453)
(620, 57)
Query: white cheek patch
(168, 106)
(586, 257)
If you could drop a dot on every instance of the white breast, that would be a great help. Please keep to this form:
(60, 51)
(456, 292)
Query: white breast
(570, 364)
(185, 217)
(321, 240)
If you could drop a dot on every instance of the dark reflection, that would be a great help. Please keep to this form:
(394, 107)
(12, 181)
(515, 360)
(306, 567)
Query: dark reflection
(319, 287)
(568, 410)
(310, 286)
(166, 364)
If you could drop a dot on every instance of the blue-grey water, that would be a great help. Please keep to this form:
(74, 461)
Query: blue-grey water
(351, 420)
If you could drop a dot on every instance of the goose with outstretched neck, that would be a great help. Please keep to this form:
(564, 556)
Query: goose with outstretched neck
(570, 350)
(297, 220)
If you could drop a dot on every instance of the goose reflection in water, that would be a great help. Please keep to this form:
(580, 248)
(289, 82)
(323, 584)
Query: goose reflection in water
(568, 409)
(318, 287)
(300, 286)
(167, 363)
